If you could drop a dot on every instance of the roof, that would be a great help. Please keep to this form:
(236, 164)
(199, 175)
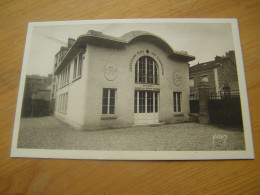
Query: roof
(95, 37)
(213, 64)
(204, 66)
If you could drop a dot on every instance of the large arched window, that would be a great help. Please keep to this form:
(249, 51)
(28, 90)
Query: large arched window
(146, 70)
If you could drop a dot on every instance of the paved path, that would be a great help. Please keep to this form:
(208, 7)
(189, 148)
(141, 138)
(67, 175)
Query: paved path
(50, 133)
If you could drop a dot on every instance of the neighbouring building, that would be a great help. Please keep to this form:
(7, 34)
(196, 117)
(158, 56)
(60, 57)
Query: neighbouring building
(102, 81)
(37, 95)
(218, 74)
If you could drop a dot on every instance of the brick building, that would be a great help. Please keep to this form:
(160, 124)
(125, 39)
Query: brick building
(218, 74)
(37, 95)
(105, 82)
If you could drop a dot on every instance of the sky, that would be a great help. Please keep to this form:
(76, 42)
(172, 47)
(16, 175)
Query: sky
(202, 40)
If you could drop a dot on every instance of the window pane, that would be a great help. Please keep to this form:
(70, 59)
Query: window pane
(112, 109)
(141, 102)
(112, 102)
(149, 70)
(105, 93)
(155, 74)
(75, 68)
(149, 101)
(156, 101)
(136, 72)
(68, 76)
(105, 101)
(179, 101)
(112, 93)
(135, 102)
(80, 65)
(142, 70)
(104, 109)
(174, 102)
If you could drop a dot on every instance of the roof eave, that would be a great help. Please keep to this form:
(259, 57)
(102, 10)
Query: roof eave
(183, 57)
(81, 43)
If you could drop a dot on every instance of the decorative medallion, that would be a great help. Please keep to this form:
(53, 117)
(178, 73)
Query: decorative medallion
(177, 78)
(110, 72)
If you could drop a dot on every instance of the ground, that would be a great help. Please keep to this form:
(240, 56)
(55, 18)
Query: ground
(51, 133)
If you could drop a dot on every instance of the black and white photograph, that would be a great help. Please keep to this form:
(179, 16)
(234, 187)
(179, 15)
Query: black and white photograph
(135, 89)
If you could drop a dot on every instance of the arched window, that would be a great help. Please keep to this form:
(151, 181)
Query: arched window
(146, 70)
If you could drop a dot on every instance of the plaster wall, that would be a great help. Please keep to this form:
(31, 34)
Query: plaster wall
(124, 59)
(76, 88)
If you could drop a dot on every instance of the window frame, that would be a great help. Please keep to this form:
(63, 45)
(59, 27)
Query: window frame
(146, 71)
(191, 81)
(204, 76)
(78, 65)
(75, 69)
(63, 102)
(177, 102)
(147, 103)
(106, 113)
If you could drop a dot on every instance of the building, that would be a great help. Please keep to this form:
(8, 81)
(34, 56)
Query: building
(37, 95)
(218, 74)
(106, 82)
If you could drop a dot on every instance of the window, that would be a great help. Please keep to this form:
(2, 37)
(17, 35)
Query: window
(192, 96)
(191, 82)
(146, 70)
(64, 76)
(108, 101)
(141, 101)
(205, 78)
(177, 101)
(68, 76)
(75, 68)
(146, 102)
(63, 102)
(80, 64)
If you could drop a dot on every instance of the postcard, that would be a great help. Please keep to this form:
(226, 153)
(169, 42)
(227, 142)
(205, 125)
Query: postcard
(133, 89)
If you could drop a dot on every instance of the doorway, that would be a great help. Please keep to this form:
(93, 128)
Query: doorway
(146, 107)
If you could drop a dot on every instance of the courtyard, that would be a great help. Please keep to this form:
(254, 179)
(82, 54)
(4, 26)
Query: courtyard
(51, 133)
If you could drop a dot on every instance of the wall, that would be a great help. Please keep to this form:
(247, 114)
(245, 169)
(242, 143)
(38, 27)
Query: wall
(227, 72)
(124, 59)
(197, 79)
(75, 115)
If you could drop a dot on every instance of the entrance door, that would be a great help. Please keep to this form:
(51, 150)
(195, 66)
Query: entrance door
(146, 107)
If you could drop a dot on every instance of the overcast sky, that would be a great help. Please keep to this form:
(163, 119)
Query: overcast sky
(202, 40)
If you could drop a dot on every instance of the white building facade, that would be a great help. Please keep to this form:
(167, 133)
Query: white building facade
(108, 82)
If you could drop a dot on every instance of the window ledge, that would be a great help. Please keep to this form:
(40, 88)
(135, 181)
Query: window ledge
(77, 78)
(64, 86)
(144, 83)
(62, 112)
(178, 114)
(108, 117)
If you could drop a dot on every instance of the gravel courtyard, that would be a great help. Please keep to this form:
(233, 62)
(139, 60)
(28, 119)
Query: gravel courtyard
(50, 133)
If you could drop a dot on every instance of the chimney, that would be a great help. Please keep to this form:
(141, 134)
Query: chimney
(231, 55)
(218, 59)
(71, 41)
